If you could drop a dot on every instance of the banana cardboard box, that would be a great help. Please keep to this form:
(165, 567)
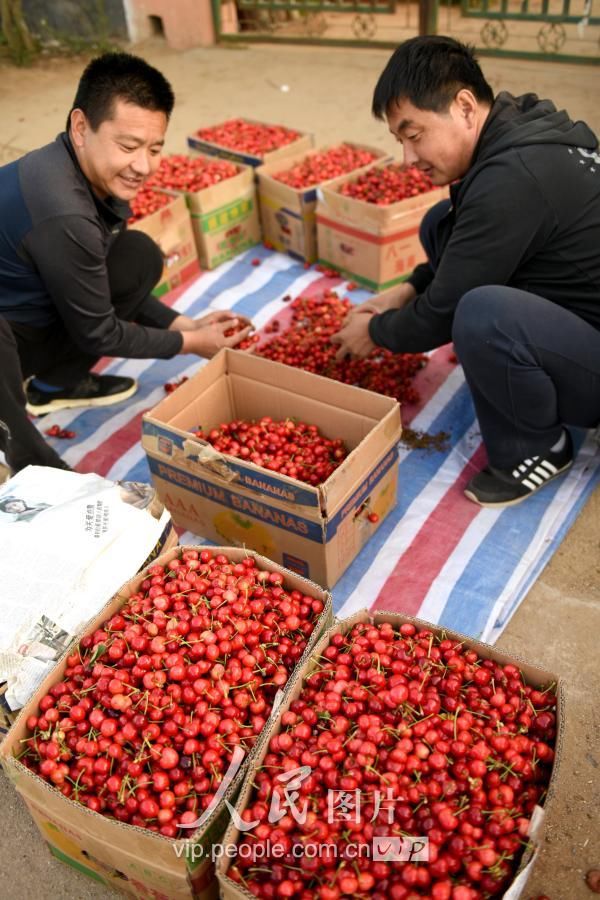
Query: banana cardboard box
(288, 215)
(171, 228)
(314, 531)
(201, 145)
(133, 861)
(377, 246)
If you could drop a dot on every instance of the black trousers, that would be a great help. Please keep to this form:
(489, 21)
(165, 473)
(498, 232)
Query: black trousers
(134, 265)
(532, 366)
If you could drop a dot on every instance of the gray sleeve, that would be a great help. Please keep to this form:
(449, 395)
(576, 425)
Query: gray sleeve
(69, 256)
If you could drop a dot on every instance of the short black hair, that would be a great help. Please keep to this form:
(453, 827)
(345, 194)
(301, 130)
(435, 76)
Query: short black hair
(428, 71)
(120, 76)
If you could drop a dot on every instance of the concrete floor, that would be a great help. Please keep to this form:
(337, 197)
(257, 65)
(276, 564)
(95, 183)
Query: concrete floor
(558, 623)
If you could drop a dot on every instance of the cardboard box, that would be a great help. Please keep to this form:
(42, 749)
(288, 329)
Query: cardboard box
(377, 246)
(316, 531)
(225, 218)
(132, 860)
(304, 142)
(288, 214)
(171, 228)
(534, 676)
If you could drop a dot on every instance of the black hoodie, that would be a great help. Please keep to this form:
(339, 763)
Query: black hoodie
(526, 214)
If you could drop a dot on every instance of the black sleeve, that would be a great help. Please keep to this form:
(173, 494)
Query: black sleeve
(156, 314)
(69, 256)
(499, 220)
(421, 277)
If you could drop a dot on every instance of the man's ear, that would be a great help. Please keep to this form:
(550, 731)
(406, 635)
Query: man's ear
(467, 106)
(79, 127)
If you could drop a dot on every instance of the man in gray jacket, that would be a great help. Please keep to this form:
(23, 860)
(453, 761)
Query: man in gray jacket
(513, 270)
(75, 285)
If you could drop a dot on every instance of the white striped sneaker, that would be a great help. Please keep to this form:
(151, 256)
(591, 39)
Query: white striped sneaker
(496, 487)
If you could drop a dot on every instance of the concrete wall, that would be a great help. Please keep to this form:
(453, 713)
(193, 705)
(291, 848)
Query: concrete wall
(184, 23)
(76, 19)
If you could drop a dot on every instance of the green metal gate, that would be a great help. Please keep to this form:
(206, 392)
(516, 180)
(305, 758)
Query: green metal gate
(343, 22)
(537, 29)
(562, 30)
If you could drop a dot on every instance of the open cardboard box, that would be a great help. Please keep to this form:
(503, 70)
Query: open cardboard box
(315, 531)
(288, 215)
(230, 890)
(171, 228)
(303, 142)
(132, 860)
(224, 217)
(377, 246)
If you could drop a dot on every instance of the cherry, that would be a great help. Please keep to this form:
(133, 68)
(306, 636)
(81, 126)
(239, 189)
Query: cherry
(372, 716)
(153, 703)
(290, 448)
(325, 165)
(249, 137)
(306, 344)
(387, 184)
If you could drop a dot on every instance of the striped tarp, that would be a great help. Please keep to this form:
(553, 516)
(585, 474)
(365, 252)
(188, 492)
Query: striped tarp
(437, 555)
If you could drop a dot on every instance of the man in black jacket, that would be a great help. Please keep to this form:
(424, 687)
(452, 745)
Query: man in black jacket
(74, 284)
(513, 271)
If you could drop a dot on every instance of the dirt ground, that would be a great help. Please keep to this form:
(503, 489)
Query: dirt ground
(558, 624)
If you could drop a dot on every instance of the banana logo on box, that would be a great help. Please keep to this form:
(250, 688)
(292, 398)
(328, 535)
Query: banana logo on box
(243, 532)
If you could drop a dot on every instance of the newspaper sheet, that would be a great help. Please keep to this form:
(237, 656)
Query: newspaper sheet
(67, 543)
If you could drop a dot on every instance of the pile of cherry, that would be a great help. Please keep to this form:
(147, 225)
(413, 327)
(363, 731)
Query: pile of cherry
(143, 724)
(387, 184)
(178, 173)
(325, 165)
(306, 344)
(248, 137)
(191, 173)
(146, 202)
(433, 740)
(289, 447)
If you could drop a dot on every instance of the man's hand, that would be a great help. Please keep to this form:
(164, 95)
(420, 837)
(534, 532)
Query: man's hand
(394, 298)
(208, 338)
(354, 338)
(185, 323)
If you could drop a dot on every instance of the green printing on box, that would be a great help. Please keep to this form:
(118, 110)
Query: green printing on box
(85, 870)
(372, 285)
(232, 250)
(219, 219)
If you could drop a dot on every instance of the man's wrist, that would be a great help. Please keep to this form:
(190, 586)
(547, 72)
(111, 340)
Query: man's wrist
(396, 297)
(406, 293)
(182, 323)
(189, 342)
(373, 329)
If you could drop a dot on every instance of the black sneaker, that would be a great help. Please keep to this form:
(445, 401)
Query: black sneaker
(93, 390)
(42, 456)
(494, 487)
